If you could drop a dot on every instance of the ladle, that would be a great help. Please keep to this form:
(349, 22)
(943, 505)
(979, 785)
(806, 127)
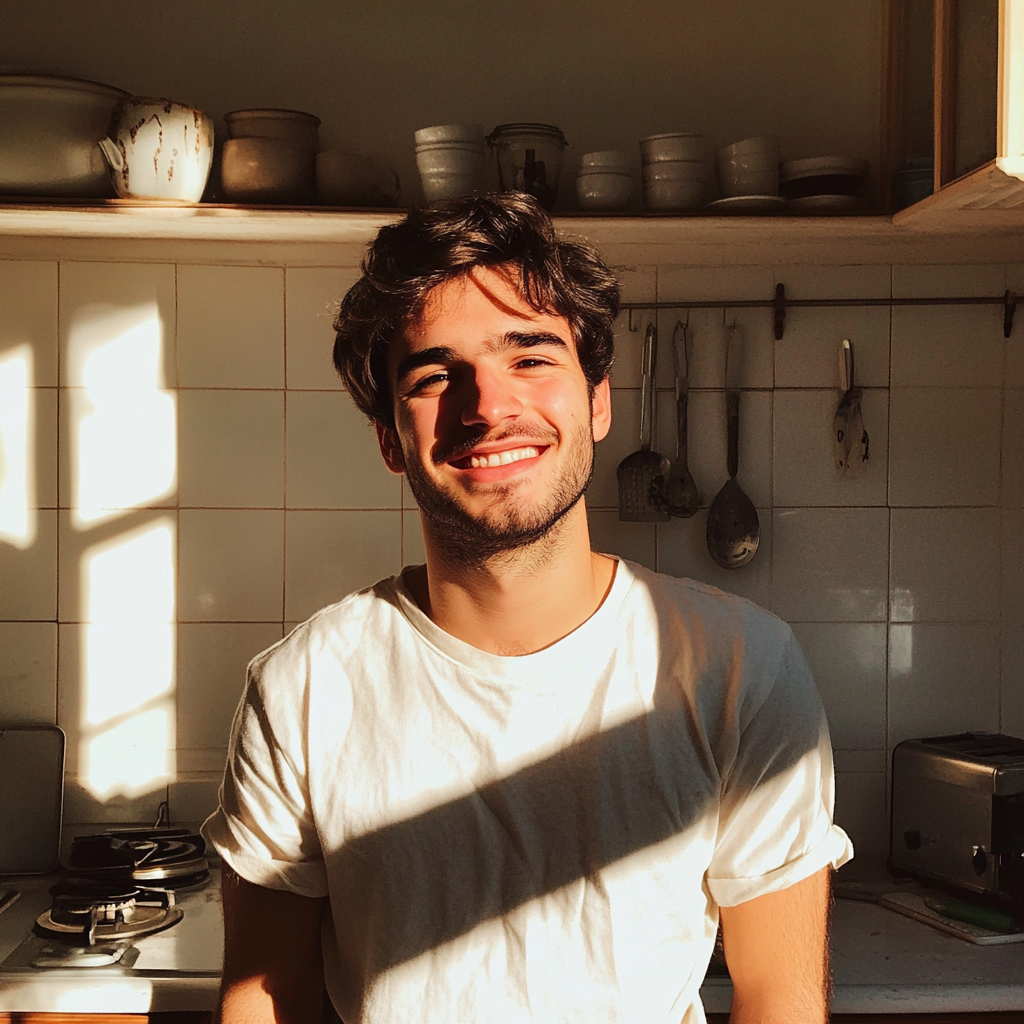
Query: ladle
(680, 488)
(733, 529)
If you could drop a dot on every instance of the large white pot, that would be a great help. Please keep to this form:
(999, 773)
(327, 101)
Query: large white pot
(49, 128)
(159, 150)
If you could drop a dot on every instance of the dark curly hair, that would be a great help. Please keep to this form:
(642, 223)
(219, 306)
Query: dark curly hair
(443, 242)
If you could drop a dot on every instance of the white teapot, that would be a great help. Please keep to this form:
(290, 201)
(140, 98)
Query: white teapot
(160, 150)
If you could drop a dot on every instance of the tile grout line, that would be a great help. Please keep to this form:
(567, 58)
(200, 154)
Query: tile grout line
(56, 589)
(284, 482)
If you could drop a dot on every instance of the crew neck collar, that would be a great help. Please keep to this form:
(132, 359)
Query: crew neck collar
(588, 639)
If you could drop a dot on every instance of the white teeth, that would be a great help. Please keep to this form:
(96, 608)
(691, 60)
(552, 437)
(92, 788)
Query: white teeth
(502, 458)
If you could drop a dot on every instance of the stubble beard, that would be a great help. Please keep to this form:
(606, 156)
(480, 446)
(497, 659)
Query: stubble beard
(508, 530)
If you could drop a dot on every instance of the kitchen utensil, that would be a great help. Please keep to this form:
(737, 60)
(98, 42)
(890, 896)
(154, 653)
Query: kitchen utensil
(48, 131)
(295, 126)
(680, 489)
(345, 178)
(973, 913)
(642, 474)
(265, 170)
(958, 813)
(749, 168)
(733, 530)
(851, 439)
(450, 159)
(916, 906)
(31, 798)
(160, 150)
(529, 159)
(673, 146)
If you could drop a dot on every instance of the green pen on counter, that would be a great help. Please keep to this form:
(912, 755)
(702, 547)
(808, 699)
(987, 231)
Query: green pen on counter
(970, 913)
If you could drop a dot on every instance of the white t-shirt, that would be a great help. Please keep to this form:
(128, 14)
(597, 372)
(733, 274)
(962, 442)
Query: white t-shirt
(538, 838)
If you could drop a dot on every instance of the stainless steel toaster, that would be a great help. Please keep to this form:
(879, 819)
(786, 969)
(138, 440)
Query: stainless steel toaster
(958, 812)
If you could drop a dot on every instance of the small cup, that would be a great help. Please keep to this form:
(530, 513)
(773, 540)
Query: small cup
(451, 169)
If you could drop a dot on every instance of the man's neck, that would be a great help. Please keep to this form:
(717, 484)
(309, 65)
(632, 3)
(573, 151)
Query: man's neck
(517, 602)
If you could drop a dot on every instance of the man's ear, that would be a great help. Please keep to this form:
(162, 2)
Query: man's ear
(601, 410)
(390, 447)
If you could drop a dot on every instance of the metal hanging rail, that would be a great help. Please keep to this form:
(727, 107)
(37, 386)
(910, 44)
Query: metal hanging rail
(779, 304)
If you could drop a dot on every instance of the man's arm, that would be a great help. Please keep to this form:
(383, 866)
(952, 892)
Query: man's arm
(272, 966)
(776, 947)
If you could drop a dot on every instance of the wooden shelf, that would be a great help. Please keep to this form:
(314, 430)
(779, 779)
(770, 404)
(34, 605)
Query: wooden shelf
(932, 231)
(985, 199)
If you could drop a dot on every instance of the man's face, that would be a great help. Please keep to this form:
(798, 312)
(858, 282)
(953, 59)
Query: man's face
(495, 425)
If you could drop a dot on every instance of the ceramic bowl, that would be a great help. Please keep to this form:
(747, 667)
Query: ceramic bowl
(294, 126)
(159, 149)
(603, 189)
(262, 170)
(345, 178)
(767, 145)
(674, 195)
(673, 146)
(676, 170)
(451, 169)
(468, 131)
(606, 160)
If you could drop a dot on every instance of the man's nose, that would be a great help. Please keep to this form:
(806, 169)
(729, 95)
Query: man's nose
(490, 398)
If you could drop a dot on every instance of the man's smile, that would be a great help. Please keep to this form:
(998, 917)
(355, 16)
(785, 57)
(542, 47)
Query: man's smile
(502, 457)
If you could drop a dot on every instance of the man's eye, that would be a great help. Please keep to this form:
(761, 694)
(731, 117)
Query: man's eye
(531, 362)
(440, 377)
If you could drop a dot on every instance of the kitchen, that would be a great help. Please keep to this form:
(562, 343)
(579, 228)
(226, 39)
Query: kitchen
(904, 585)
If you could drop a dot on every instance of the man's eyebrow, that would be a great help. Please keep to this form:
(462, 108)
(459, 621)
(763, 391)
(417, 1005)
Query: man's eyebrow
(439, 354)
(442, 355)
(530, 339)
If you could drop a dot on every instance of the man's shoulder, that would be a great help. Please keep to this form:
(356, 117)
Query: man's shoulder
(340, 627)
(694, 600)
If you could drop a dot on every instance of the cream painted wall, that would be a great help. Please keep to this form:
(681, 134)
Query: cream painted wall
(607, 72)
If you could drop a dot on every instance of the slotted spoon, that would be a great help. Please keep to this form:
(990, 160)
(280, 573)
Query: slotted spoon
(642, 474)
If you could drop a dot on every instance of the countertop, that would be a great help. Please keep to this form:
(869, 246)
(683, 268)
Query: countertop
(882, 963)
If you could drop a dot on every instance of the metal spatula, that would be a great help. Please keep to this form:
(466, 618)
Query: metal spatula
(680, 488)
(851, 438)
(642, 474)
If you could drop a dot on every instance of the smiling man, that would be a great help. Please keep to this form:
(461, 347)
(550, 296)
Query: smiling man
(524, 781)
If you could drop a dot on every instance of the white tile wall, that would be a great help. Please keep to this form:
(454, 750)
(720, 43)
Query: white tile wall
(905, 586)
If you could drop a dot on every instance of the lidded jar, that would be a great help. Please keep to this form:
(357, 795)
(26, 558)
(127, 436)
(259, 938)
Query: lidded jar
(529, 159)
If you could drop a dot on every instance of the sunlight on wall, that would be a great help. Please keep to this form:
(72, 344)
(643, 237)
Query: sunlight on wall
(128, 662)
(17, 447)
(125, 446)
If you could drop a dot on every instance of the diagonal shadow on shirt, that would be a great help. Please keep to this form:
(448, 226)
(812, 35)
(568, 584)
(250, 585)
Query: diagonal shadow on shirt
(416, 884)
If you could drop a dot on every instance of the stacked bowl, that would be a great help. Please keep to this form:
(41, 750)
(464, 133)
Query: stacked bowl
(605, 181)
(749, 168)
(675, 169)
(450, 159)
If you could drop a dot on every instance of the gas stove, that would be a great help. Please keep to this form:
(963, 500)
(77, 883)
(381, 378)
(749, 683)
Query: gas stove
(133, 915)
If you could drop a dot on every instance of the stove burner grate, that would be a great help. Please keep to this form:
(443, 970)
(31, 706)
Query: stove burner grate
(107, 914)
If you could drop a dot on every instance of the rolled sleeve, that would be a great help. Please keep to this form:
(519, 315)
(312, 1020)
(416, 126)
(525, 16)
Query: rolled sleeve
(776, 814)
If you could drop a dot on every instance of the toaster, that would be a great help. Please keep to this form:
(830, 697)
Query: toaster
(958, 812)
